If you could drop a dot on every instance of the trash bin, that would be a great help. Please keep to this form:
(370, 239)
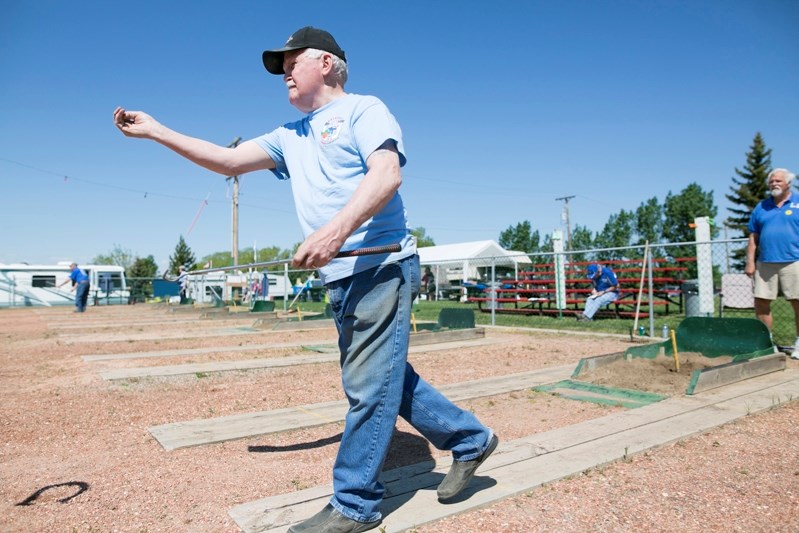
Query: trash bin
(492, 294)
(690, 293)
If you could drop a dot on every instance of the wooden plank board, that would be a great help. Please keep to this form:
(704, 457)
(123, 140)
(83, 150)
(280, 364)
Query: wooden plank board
(199, 351)
(261, 315)
(721, 375)
(301, 325)
(126, 323)
(163, 335)
(433, 337)
(277, 346)
(524, 464)
(218, 366)
(220, 429)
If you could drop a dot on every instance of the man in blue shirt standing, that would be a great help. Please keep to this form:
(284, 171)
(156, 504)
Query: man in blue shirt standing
(183, 284)
(772, 253)
(343, 161)
(80, 284)
(605, 290)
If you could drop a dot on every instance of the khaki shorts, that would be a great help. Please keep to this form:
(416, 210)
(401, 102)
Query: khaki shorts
(771, 279)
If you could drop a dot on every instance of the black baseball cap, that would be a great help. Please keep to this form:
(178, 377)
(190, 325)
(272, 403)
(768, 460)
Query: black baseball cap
(307, 37)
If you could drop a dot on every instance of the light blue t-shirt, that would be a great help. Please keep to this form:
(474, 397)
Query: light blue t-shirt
(778, 230)
(324, 155)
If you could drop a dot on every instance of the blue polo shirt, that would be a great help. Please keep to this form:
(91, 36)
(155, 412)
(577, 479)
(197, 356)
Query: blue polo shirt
(77, 276)
(606, 280)
(778, 228)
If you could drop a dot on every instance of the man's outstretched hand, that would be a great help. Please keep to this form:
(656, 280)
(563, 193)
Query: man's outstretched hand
(135, 123)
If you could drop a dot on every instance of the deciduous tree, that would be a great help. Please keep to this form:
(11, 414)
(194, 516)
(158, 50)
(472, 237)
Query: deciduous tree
(140, 275)
(422, 239)
(680, 211)
(617, 233)
(520, 238)
(118, 256)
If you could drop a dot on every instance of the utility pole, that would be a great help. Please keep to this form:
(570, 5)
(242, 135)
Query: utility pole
(565, 217)
(235, 210)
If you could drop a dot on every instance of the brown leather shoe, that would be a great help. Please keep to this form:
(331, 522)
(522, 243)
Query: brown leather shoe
(329, 520)
(462, 472)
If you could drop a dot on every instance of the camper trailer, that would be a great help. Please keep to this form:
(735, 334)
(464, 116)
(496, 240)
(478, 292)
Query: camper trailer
(22, 284)
(221, 287)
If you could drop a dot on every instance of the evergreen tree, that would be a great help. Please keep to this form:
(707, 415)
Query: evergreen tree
(748, 189)
(182, 256)
(750, 186)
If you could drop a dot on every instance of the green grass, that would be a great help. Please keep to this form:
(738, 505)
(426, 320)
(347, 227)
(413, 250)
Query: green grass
(423, 310)
(784, 327)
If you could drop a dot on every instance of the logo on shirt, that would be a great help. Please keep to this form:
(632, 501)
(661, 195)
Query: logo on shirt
(788, 212)
(331, 130)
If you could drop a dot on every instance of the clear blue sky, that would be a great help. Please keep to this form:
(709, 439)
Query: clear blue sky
(505, 106)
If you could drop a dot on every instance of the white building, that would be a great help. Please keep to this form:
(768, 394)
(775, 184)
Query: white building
(455, 265)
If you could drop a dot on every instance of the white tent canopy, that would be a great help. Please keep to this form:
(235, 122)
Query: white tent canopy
(461, 260)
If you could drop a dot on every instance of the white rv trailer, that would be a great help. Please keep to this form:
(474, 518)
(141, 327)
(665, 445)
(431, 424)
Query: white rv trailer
(22, 284)
(218, 287)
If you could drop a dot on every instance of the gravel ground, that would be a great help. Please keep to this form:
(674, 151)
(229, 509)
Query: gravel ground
(76, 454)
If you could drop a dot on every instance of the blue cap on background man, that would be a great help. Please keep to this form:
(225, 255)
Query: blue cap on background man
(592, 271)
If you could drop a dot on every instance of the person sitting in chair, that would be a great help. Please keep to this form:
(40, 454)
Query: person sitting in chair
(605, 290)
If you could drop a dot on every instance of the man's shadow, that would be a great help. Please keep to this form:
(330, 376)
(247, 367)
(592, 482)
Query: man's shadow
(408, 468)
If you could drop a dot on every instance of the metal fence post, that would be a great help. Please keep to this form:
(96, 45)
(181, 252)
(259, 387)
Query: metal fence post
(285, 290)
(651, 296)
(560, 281)
(493, 292)
(704, 264)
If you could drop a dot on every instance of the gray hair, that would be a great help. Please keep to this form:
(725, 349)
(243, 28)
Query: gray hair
(339, 65)
(787, 174)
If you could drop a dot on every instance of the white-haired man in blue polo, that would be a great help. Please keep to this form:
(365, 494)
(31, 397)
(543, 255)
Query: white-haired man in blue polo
(772, 253)
(605, 290)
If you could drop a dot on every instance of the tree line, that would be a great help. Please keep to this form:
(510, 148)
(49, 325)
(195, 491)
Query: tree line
(655, 222)
(652, 221)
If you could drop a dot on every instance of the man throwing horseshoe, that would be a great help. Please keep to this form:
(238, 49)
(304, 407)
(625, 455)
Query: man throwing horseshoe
(343, 159)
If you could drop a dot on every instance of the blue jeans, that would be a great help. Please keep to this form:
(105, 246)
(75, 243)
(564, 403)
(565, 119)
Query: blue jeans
(372, 312)
(592, 305)
(82, 295)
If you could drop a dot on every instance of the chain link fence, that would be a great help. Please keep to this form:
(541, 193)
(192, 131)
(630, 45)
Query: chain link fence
(240, 287)
(659, 285)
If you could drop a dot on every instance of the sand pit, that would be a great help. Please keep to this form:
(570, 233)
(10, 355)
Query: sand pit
(658, 375)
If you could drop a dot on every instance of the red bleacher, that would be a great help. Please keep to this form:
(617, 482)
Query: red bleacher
(533, 293)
